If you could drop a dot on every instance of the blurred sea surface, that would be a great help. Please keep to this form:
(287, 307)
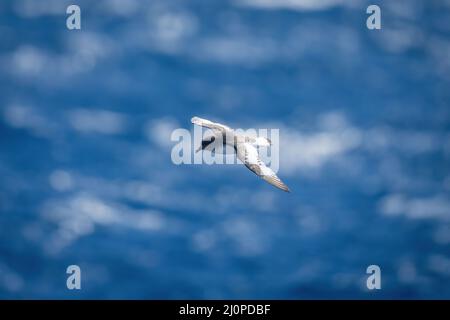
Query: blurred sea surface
(87, 179)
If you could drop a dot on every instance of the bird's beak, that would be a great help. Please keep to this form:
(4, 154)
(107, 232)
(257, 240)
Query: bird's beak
(198, 149)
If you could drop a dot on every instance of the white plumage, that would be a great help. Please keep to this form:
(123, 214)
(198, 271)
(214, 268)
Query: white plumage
(245, 148)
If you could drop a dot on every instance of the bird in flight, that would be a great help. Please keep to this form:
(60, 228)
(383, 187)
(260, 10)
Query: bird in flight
(244, 147)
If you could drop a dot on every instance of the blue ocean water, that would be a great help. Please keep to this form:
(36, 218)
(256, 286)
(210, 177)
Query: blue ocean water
(85, 151)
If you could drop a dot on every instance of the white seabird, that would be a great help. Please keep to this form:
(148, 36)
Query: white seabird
(244, 147)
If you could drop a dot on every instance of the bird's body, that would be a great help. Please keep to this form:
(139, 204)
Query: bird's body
(244, 147)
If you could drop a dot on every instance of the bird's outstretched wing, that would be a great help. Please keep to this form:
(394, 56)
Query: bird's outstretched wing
(211, 125)
(248, 154)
